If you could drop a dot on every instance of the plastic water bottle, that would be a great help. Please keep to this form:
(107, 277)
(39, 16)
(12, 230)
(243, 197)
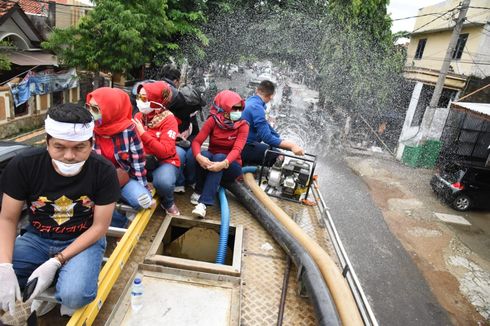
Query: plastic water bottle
(137, 294)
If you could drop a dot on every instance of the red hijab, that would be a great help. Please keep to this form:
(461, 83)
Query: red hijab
(116, 110)
(159, 92)
(221, 108)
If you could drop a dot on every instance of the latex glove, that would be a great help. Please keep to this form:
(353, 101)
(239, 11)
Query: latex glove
(144, 200)
(45, 276)
(9, 289)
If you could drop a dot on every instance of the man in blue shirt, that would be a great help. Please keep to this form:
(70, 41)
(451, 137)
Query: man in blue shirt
(261, 135)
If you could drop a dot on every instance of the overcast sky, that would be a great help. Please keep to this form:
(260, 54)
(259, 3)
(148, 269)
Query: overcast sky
(406, 8)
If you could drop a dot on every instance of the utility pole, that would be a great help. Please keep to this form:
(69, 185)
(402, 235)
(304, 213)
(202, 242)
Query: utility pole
(449, 53)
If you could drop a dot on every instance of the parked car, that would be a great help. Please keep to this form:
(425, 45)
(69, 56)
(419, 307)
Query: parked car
(463, 185)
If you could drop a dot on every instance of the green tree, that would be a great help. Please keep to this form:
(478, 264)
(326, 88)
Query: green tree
(118, 35)
(4, 60)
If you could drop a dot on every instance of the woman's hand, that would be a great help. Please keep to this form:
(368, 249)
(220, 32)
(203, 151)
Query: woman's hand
(203, 161)
(217, 166)
(139, 126)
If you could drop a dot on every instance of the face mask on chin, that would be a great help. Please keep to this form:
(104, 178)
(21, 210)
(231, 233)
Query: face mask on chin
(68, 169)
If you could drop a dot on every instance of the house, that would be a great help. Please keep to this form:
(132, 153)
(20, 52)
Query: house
(35, 81)
(420, 140)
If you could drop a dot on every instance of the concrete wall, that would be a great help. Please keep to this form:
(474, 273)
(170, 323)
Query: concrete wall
(477, 50)
(38, 105)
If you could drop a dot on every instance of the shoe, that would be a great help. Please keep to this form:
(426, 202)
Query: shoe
(179, 189)
(193, 185)
(65, 311)
(42, 307)
(195, 198)
(200, 210)
(172, 211)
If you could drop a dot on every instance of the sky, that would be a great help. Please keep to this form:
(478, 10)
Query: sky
(406, 8)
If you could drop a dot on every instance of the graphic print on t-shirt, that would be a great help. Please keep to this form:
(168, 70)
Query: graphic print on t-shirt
(57, 215)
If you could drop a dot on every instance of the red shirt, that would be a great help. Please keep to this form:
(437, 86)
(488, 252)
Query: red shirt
(160, 140)
(222, 141)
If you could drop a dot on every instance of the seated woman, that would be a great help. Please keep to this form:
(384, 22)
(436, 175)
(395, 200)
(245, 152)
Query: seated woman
(157, 128)
(221, 162)
(116, 139)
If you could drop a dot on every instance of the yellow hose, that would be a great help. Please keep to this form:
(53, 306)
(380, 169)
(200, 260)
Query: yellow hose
(342, 296)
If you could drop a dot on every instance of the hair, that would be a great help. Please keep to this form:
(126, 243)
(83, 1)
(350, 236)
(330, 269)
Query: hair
(171, 73)
(70, 112)
(266, 87)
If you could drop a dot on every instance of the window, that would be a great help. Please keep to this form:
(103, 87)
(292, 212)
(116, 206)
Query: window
(458, 50)
(420, 48)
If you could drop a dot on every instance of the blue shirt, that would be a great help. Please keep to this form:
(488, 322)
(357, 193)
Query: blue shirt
(260, 129)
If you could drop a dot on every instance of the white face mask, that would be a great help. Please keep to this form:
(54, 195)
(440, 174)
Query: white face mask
(67, 169)
(235, 115)
(144, 107)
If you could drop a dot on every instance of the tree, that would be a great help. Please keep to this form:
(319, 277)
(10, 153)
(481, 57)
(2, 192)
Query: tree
(118, 35)
(360, 69)
(4, 60)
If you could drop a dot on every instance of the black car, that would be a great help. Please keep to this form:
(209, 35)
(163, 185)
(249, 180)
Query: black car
(463, 185)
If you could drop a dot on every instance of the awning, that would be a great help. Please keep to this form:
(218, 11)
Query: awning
(482, 109)
(30, 58)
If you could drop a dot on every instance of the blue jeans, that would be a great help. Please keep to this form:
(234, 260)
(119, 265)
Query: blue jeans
(129, 194)
(164, 182)
(76, 285)
(253, 154)
(208, 182)
(187, 172)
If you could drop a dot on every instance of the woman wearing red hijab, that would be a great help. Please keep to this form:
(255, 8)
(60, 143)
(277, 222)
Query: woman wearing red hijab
(221, 162)
(158, 130)
(116, 139)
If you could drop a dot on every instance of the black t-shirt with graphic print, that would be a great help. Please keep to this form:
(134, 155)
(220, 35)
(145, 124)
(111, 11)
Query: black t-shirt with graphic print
(60, 207)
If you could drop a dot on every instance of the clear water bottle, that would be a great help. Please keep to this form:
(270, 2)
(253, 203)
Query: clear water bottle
(137, 294)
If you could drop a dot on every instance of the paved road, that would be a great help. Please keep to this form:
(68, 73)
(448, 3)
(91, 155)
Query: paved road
(396, 289)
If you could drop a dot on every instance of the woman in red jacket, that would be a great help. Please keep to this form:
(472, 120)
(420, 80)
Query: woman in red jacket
(221, 162)
(116, 139)
(158, 130)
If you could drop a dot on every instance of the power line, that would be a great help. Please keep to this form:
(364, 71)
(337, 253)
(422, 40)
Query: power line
(479, 7)
(477, 65)
(433, 19)
(430, 14)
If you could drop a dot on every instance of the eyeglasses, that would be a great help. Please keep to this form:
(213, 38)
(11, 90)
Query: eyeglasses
(142, 97)
(93, 108)
(237, 108)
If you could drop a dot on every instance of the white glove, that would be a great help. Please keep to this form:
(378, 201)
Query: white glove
(144, 200)
(45, 276)
(9, 289)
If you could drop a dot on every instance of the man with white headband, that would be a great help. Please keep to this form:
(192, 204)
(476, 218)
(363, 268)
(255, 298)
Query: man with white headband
(71, 194)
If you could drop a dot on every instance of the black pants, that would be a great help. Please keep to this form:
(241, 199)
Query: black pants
(253, 154)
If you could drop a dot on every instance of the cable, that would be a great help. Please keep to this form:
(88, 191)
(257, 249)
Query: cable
(430, 14)
(479, 7)
(477, 65)
(433, 20)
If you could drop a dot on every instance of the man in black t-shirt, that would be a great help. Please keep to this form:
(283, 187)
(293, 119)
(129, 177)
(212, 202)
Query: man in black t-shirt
(71, 194)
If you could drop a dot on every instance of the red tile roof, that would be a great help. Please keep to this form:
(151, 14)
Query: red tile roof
(34, 7)
(5, 7)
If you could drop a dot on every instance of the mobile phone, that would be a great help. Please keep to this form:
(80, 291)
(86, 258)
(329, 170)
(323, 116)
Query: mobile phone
(30, 286)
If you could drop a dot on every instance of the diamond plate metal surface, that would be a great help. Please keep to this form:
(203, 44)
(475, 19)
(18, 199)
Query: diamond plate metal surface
(263, 266)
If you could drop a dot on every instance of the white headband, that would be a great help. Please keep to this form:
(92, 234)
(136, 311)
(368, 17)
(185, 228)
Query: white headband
(69, 131)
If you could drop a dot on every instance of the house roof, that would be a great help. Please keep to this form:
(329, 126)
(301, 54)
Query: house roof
(481, 109)
(32, 58)
(5, 7)
(33, 7)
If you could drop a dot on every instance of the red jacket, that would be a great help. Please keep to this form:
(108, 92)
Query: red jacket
(159, 140)
(222, 141)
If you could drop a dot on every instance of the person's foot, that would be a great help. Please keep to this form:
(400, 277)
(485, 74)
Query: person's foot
(65, 311)
(172, 211)
(199, 210)
(195, 198)
(42, 307)
(179, 189)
